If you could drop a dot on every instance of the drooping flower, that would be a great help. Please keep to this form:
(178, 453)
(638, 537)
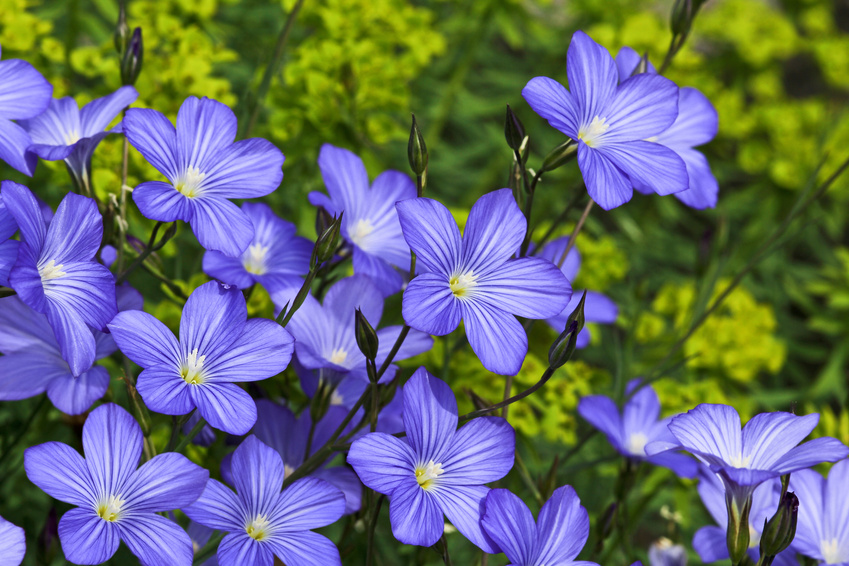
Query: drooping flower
(24, 93)
(696, 124)
(597, 307)
(557, 538)
(370, 223)
(114, 500)
(822, 531)
(64, 131)
(612, 124)
(262, 522)
(436, 469)
(56, 274)
(13, 544)
(32, 362)
(218, 348)
(204, 168)
(473, 278)
(637, 425)
(325, 334)
(276, 257)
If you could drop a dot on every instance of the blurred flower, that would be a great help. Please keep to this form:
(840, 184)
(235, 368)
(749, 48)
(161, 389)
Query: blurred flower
(664, 553)
(56, 273)
(114, 501)
(474, 278)
(24, 93)
(436, 469)
(557, 538)
(205, 168)
(612, 123)
(370, 223)
(822, 530)
(205, 437)
(8, 247)
(13, 543)
(218, 348)
(276, 257)
(262, 522)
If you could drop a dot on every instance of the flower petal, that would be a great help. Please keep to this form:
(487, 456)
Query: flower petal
(153, 135)
(603, 414)
(161, 201)
(22, 205)
(165, 482)
(112, 440)
(346, 179)
(508, 522)
(414, 344)
(8, 256)
(238, 549)
(14, 148)
(86, 538)
(836, 507)
(217, 508)
(494, 231)
(145, 340)
(263, 350)
(429, 305)
(709, 543)
(644, 106)
(156, 540)
(810, 454)
(529, 287)
(482, 451)
(213, 319)
(430, 416)
(463, 506)
(249, 168)
(164, 391)
(626, 63)
(696, 124)
(810, 487)
(225, 406)
(345, 480)
(205, 127)
(496, 337)
(304, 549)
(277, 427)
(552, 101)
(75, 395)
(649, 166)
(703, 189)
(387, 279)
(606, 184)
(27, 374)
(351, 293)
(415, 516)
(96, 115)
(711, 431)
(55, 131)
(60, 472)
(24, 92)
(431, 232)
(767, 437)
(563, 527)
(309, 503)
(641, 412)
(382, 461)
(592, 76)
(13, 544)
(220, 225)
(258, 473)
(227, 269)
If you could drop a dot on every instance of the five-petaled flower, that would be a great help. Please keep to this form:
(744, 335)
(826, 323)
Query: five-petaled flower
(822, 532)
(473, 278)
(114, 500)
(436, 469)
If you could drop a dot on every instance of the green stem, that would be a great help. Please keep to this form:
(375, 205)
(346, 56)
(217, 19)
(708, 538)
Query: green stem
(152, 246)
(575, 232)
(191, 436)
(286, 315)
(559, 220)
(122, 202)
(374, 512)
(23, 430)
(176, 426)
(208, 549)
(549, 371)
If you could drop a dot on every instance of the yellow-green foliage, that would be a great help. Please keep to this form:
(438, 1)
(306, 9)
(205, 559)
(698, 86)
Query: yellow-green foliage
(832, 423)
(602, 262)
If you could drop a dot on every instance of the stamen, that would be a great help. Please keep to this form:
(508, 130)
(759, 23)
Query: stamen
(190, 182)
(338, 356)
(254, 259)
(426, 474)
(192, 369)
(258, 528)
(109, 509)
(51, 271)
(592, 133)
(636, 444)
(360, 232)
(463, 284)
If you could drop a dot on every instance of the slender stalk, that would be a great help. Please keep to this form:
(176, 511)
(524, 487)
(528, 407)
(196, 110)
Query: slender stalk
(191, 436)
(558, 221)
(374, 513)
(508, 387)
(23, 430)
(208, 549)
(176, 426)
(527, 479)
(122, 201)
(519, 396)
(152, 246)
(285, 316)
(392, 353)
(575, 232)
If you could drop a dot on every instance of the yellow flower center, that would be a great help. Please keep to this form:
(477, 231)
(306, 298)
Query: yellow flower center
(110, 509)
(592, 133)
(426, 474)
(192, 369)
(462, 284)
(338, 356)
(254, 259)
(258, 528)
(190, 181)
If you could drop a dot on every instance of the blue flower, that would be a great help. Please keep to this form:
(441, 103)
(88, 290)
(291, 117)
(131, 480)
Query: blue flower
(325, 334)
(32, 362)
(275, 259)
(597, 307)
(261, 521)
(557, 538)
(204, 168)
(56, 274)
(436, 469)
(370, 223)
(636, 426)
(24, 93)
(664, 553)
(473, 278)
(8, 247)
(696, 124)
(63, 131)
(114, 500)
(13, 544)
(218, 348)
(612, 124)
(822, 531)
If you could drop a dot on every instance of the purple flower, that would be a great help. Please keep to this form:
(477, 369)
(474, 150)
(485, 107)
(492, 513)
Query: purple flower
(436, 469)
(612, 124)
(557, 538)
(696, 124)
(218, 348)
(13, 544)
(325, 334)
(473, 278)
(370, 223)
(56, 274)
(637, 425)
(32, 362)
(261, 521)
(664, 553)
(24, 93)
(8, 248)
(64, 131)
(597, 308)
(204, 168)
(114, 500)
(822, 531)
(276, 257)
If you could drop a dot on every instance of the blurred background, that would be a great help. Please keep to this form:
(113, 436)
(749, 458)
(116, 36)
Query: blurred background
(351, 74)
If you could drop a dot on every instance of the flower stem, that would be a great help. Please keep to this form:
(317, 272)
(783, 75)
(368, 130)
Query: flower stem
(7, 449)
(208, 549)
(559, 220)
(152, 246)
(191, 436)
(575, 232)
(374, 513)
(122, 202)
(549, 371)
(286, 314)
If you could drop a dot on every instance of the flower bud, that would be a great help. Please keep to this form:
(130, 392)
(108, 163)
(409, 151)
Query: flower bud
(563, 348)
(327, 242)
(417, 150)
(131, 64)
(323, 220)
(514, 131)
(560, 155)
(366, 336)
(737, 535)
(122, 30)
(780, 530)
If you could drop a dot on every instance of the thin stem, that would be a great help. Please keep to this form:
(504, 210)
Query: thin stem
(395, 347)
(23, 430)
(549, 371)
(283, 319)
(527, 479)
(152, 246)
(191, 436)
(508, 387)
(559, 220)
(208, 549)
(122, 202)
(372, 525)
(176, 426)
(575, 232)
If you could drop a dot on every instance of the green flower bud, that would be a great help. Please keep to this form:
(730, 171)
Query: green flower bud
(122, 30)
(514, 131)
(737, 535)
(780, 530)
(327, 242)
(366, 336)
(417, 150)
(131, 64)
(560, 155)
(563, 348)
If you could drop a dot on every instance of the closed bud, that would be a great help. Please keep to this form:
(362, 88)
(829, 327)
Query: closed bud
(683, 12)
(560, 155)
(122, 30)
(323, 220)
(780, 530)
(563, 348)
(366, 336)
(417, 150)
(327, 242)
(131, 63)
(737, 535)
(514, 131)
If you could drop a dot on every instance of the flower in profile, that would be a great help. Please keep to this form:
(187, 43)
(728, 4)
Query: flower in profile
(32, 362)
(325, 334)
(557, 538)
(696, 124)
(370, 223)
(218, 348)
(473, 278)
(598, 308)
(56, 274)
(436, 469)
(8, 247)
(64, 131)
(822, 531)
(24, 93)
(13, 544)
(637, 425)
(114, 500)
(275, 258)
(262, 522)
(612, 124)
(204, 168)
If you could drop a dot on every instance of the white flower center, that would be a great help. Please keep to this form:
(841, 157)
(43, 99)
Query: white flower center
(72, 137)
(336, 399)
(190, 182)
(287, 470)
(109, 508)
(192, 369)
(738, 461)
(636, 444)
(832, 553)
(463, 284)
(426, 474)
(258, 529)
(338, 356)
(360, 232)
(254, 259)
(51, 271)
(592, 134)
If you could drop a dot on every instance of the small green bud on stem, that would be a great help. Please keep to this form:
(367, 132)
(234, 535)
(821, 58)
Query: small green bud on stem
(563, 348)
(326, 243)
(780, 530)
(366, 336)
(131, 62)
(417, 150)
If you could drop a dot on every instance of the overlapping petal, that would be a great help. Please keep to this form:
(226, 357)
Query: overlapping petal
(482, 451)
(60, 472)
(430, 306)
(156, 540)
(217, 508)
(415, 516)
(496, 337)
(529, 287)
(225, 406)
(309, 503)
(432, 234)
(143, 339)
(167, 481)
(382, 461)
(552, 101)
(494, 231)
(86, 538)
(14, 148)
(508, 522)
(592, 76)
(563, 527)
(606, 184)
(305, 548)
(463, 506)
(112, 440)
(153, 135)
(430, 415)
(24, 92)
(13, 545)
